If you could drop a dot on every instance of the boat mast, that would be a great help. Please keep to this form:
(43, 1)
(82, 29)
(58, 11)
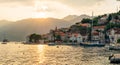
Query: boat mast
(4, 37)
(92, 26)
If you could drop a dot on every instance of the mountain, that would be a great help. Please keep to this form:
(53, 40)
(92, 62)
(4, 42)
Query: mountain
(17, 31)
(4, 22)
(70, 17)
(74, 18)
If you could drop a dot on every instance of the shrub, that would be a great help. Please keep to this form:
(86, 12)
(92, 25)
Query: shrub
(118, 41)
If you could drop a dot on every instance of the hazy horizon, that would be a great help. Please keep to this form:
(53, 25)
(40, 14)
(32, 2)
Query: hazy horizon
(22, 9)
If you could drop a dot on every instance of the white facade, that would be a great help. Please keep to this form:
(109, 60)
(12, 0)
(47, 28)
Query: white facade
(117, 36)
(50, 37)
(77, 38)
(73, 38)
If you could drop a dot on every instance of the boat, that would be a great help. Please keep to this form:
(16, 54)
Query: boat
(114, 47)
(5, 41)
(51, 44)
(92, 44)
(114, 58)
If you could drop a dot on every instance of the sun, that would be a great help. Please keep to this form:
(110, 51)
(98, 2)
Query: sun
(40, 15)
(40, 10)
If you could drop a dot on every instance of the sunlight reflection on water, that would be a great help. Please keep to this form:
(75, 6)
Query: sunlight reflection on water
(41, 53)
(23, 54)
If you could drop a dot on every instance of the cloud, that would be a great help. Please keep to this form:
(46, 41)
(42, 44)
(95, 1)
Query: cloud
(67, 2)
(9, 1)
(79, 3)
(17, 2)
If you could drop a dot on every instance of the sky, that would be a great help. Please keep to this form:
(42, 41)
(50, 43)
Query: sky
(22, 9)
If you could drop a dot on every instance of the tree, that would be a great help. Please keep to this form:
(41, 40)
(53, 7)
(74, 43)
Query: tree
(34, 38)
(87, 20)
(116, 17)
(109, 17)
(58, 37)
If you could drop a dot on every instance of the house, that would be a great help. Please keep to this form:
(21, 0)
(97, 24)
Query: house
(50, 36)
(115, 21)
(95, 35)
(114, 34)
(103, 19)
(99, 28)
(76, 37)
(98, 34)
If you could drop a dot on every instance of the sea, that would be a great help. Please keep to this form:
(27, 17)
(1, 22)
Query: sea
(16, 53)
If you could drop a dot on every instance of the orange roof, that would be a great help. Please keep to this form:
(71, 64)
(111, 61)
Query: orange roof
(99, 27)
(75, 35)
(95, 33)
(85, 24)
(62, 34)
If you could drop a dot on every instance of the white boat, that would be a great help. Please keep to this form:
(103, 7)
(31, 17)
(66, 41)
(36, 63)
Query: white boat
(51, 44)
(92, 44)
(114, 47)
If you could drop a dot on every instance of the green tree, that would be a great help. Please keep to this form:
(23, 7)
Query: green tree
(34, 38)
(58, 37)
(118, 41)
(109, 17)
(87, 20)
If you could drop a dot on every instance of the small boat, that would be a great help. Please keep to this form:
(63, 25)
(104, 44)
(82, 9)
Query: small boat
(51, 44)
(92, 44)
(5, 41)
(114, 47)
(114, 58)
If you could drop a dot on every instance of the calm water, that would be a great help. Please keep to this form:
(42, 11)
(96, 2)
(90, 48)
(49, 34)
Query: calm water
(20, 54)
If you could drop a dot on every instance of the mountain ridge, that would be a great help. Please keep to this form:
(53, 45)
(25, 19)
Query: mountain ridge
(18, 30)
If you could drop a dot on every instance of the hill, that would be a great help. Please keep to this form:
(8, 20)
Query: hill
(17, 31)
(74, 18)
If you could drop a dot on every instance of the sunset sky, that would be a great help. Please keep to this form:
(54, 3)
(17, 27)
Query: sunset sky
(21, 9)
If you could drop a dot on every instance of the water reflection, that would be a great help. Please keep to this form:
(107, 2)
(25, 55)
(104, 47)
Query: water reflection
(20, 54)
(41, 53)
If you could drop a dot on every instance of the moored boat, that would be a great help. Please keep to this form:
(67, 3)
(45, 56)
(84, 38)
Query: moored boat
(92, 44)
(114, 58)
(51, 44)
(114, 47)
(5, 41)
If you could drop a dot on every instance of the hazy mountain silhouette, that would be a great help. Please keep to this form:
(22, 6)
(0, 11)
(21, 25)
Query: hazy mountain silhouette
(70, 17)
(17, 31)
(74, 18)
(4, 22)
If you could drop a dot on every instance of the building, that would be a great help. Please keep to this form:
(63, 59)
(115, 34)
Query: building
(97, 33)
(76, 37)
(114, 34)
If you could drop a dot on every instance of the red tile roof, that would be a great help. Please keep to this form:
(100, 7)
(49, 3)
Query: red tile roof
(99, 27)
(95, 33)
(85, 25)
